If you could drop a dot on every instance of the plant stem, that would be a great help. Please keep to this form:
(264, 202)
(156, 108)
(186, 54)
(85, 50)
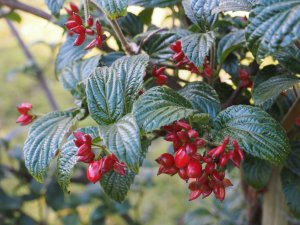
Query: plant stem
(26, 8)
(39, 72)
(233, 97)
(86, 10)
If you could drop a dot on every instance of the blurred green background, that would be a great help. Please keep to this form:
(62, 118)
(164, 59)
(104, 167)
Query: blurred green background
(152, 201)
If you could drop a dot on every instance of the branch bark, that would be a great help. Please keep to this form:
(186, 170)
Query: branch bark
(29, 9)
(39, 72)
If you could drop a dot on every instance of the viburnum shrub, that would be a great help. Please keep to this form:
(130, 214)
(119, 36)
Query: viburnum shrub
(223, 89)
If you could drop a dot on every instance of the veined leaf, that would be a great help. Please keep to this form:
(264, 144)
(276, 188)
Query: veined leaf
(289, 57)
(123, 140)
(257, 172)
(255, 130)
(291, 190)
(67, 158)
(200, 12)
(79, 71)
(160, 106)
(55, 5)
(114, 8)
(44, 139)
(267, 92)
(196, 46)
(203, 98)
(105, 96)
(229, 43)
(274, 24)
(117, 186)
(68, 54)
(235, 5)
(293, 161)
(153, 3)
(131, 24)
(130, 70)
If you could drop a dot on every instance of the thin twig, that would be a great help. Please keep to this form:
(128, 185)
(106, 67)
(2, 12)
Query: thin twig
(26, 8)
(39, 72)
(86, 10)
(289, 119)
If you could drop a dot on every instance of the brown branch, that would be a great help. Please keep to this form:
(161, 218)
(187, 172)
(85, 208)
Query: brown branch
(289, 119)
(29, 9)
(233, 97)
(39, 72)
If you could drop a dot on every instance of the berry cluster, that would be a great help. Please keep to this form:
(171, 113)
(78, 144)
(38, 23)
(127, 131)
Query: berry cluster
(159, 76)
(97, 168)
(206, 170)
(245, 81)
(75, 26)
(25, 118)
(182, 61)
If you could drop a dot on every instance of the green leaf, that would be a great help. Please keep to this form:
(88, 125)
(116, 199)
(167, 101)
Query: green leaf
(293, 161)
(14, 17)
(291, 190)
(131, 70)
(131, 24)
(111, 91)
(44, 139)
(146, 16)
(117, 186)
(267, 92)
(123, 140)
(69, 54)
(105, 96)
(160, 106)
(110, 58)
(203, 97)
(76, 73)
(114, 8)
(153, 3)
(229, 43)
(235, 5)
(255, 130)
(55, 5)
(98, 215)
(55, 197)
(158, 46)
(289, 57)
(274, 24)
(196, 46)
(67, 158)
(257, 172)
(200, 12)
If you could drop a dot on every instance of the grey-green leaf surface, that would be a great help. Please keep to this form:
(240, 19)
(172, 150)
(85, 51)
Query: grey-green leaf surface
(203, 98)
(289, 57)
(44, 139)
(291, 190)
(256, 172)
(267, 92)
(67, 158)
(274, 24)
(160, 106)
(229, 43)
(235, 5)
(255, 130)
(293, 161)
(196, 46)
(123, 140)
(114, 8)
(153, 3)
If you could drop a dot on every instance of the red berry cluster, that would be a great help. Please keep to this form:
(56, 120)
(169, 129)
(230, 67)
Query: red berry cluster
(182, 61)
(245, 81)
(206, 170)
(75, 26)
(96, 168)
(159, 76)
(25, 118)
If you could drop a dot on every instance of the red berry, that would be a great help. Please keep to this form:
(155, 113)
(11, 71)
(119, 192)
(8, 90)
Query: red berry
(119, 168)
(178, 56)
(93, 171)
(79, 40)
(25, 118)
(219, 192)
(167, 170)
(108, 163)
(98, 28)
(182, 159)
(74, 7)
(89, 32)
(190, 149)
(77, 18)
(161, 79)
(176, 47)
(166, 160)
(183, 136)
(91, 45)
(199, 142)
(224, 158)
(193, 134)
(184, 125)
(194, 169)
(194, 195)
(90, 21)
(78, 30)
(183, 174)
(210, 167)
(71, 24)
(171, 137)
